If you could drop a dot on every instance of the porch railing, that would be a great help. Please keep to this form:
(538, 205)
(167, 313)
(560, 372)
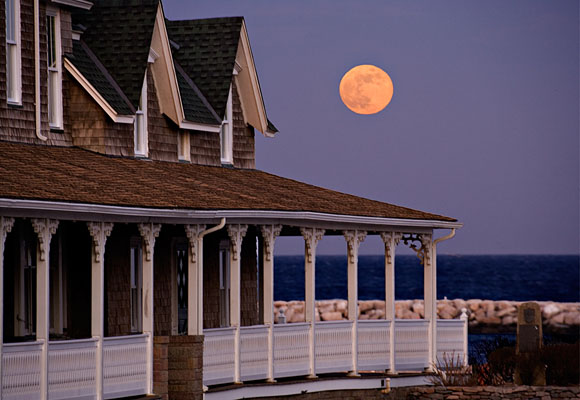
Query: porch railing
(333, 346)
(72, 368)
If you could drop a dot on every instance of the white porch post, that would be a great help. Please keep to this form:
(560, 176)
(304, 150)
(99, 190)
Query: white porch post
(44, 228)
(6, 224)
(236, 234)
(149, 232)
(353, 241)
(311, 238)
(99, 231)
(269, 234)
(390, 239)
(430, 297)
(195, 280)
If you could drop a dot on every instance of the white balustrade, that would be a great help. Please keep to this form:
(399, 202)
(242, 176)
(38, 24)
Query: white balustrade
(21, 371)
(254, 352)
(333, 346)
(125, 365)
(450, 340)
(373, 345)
(72, 369)
(218, 356)
(291, 350)
(411, 344)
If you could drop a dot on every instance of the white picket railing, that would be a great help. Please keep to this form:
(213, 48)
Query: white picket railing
(254, 352)
(452, 340)
(373, 345)
(125, 365)
(411, 344)
(72, 369)
(333, 346)
(291, 350)
(218, 356)
(21, 371)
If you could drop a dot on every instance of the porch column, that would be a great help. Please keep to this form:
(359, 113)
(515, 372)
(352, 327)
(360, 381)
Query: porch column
(44, 228)
(236, 234)
(311, 238)
(269, 234)
(99, 231)
(195, 280)
(6, 224)
(353, 241)
(430, 297)
(390, 239)
(149, 232)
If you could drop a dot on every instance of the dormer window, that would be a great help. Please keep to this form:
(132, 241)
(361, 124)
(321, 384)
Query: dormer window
(13, 71)
(54, 60)
(141, 134)
(226, 133)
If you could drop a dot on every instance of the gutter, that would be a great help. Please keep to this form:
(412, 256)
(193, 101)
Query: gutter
(37, 71)
(96, 211)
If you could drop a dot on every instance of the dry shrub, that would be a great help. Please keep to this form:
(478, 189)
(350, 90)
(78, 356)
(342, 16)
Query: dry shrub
(451, 371)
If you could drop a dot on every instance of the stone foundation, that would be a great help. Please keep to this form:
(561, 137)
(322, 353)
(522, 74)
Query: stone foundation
(495, 392)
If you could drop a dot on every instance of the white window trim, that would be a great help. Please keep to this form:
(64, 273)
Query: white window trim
(55, 73)
(136, 284)
(14, 47)
(227, 133)
(183, 146)
(141, 130)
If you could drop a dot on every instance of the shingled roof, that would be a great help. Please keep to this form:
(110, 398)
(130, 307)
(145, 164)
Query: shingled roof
(75, 175)
(119, 33)
(207, 52)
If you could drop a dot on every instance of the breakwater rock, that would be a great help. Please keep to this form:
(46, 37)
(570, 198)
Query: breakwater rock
(484, 316)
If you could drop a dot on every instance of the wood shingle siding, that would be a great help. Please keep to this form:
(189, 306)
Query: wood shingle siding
(162, 138)
(243, 143)
(205, 148)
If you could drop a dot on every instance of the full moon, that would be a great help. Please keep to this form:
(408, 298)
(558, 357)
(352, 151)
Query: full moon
(366, 89)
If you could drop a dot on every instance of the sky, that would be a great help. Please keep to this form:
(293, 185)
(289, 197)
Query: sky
(483, 125)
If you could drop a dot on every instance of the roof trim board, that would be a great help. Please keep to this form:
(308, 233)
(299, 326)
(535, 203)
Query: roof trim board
(299, 217)
(195, 126)
(94, 93)
(82, 4)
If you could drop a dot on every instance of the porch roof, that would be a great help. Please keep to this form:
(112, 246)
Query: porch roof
(73, 175)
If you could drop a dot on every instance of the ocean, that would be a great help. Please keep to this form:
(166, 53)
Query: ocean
(493, 277)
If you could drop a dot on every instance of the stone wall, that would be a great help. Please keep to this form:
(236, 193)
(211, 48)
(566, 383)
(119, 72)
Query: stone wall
(484, 315)
(495, 392)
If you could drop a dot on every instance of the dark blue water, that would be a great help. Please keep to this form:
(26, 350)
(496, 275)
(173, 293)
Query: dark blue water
(505, 277)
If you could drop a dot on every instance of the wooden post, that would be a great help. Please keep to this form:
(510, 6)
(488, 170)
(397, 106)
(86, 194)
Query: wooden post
(390, 239)
(6, 224)
(44, 228)
(149, 232)
(353, 241)
(311, 238)
(269, 234)
(430, 296)
(236, 234)
(194, 280)
(99, 231)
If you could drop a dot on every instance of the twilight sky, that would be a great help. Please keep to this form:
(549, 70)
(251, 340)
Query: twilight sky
(483, 125)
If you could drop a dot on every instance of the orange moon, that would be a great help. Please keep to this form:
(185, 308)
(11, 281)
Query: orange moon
(366, 89)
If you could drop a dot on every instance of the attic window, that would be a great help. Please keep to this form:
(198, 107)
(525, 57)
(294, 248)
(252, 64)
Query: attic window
(141, 134)
(13, 53)
(226, 133)
(54, 69)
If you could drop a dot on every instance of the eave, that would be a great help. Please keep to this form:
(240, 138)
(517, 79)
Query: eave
(82, 4)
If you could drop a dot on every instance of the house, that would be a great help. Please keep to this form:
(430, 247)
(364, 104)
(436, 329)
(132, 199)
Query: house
(136, 235)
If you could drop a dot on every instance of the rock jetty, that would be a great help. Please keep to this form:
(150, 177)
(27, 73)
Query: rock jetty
(485, 316)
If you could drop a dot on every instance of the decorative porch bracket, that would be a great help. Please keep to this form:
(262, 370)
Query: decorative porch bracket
(269, 234)
(149, 232)
(236, 233)
(353, 241)
(6, 224)
(311, 238)
(44, 229)
(391, 240)
(99, 232)
(195, 280)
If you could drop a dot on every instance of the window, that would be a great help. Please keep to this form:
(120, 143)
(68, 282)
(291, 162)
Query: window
(181, 286)
(136, 265)
(226, 133)
(13, 72)
(54, 69)
(224, 282)
(141, 135)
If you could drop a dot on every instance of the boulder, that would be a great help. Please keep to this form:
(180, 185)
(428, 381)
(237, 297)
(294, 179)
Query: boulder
(364, 306)
(549, 310)
(331, 316)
